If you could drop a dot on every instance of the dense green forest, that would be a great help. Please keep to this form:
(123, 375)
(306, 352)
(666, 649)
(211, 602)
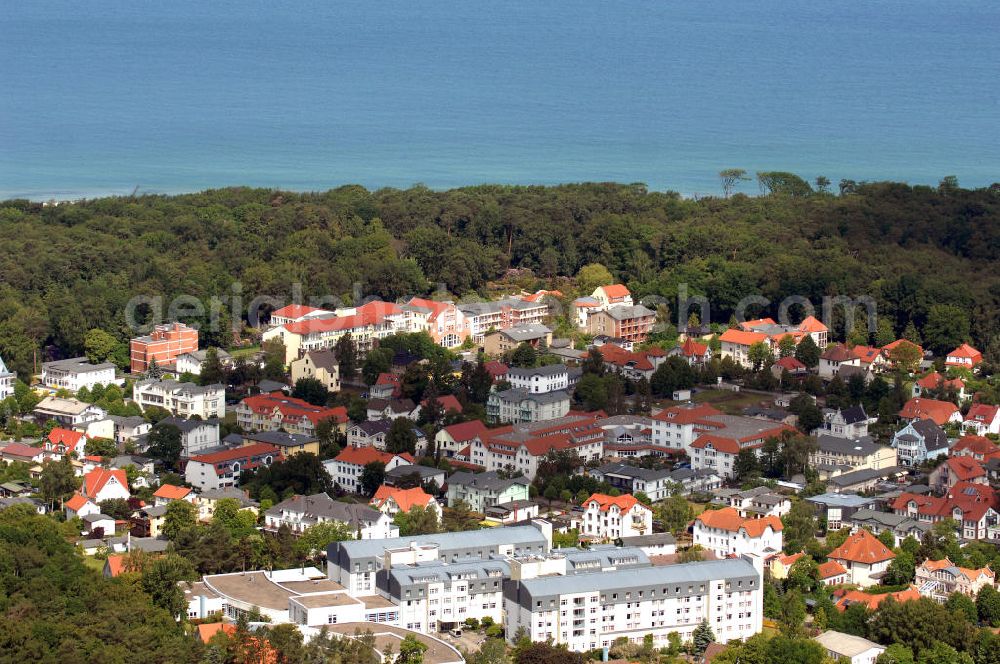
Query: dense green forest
(69, 268)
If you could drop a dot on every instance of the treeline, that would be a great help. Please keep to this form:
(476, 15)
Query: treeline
(70, 268)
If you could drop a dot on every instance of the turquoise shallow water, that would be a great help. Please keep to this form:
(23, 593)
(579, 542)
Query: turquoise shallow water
(102, 97)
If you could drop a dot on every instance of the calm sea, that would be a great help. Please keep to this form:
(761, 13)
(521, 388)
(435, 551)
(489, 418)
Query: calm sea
(105, 96)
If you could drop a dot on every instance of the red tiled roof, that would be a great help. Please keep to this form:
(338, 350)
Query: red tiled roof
(757, 322)
(624, 502)
(981, 412)
(790, 560)
(464, 431)
(96, 479)
(238, 453)
(437, 308)
(742, 338)
(66, 437)
(830, 569)
(862, 547)
(448, 403)
(496, 369)
(314, 325)
(294, 311)
(361, 456)
(964, 351)
(935, 381)
(972, 499)
(720, 443)
(171, 492)
(789, 363)
(729, 519)
(620, 357)
(292, 408)
(866, 354)
(116, 563)
(976, 445)
(21, 450)
(387, 379)
(691, 348)
(965, 468)
(918, 408)
(838, 353)
(686, 414)
(812, 324)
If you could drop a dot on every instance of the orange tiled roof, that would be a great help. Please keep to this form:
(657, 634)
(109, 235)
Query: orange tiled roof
(977, 445)
(238, 453)
(66, 437)
(294, 311)
(76, 502)
(812, 324)
(788, 561)
(171, 492)
(742, 338)
(729, 519)
(873, 601)
(981, 412)
(616, 291)
(691, 348)
(934, 381)
(757, 322)
(466, 430)
(830, 569)
(624, 502)
(966, 351)
(862, 547)
(965, 468)
(116, 563)
(406, 499)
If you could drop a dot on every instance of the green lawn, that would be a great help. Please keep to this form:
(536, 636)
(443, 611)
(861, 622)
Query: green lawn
(728, 402)
(95, 564)
(244, 352)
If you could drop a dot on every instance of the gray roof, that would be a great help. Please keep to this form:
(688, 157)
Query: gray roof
(229, 492)
(437, 572)
(410, 469)
(130, 421)
(623, 312)
(77, 365)
(547, 370)
(267, 385)
(626, 470)
(888, 520)
(865, 446)
(653, 539)
(202, 355)
(489, 481)
(148, 544)
(464, 539)
(645, 577)
(841, 500)
(155, 510)
(322, 505)
(185, 425)
(323, 359)
(479, 308)
(91, 518)
(373, 427)
(739, 426)
(526, 332)
(280, 438)
(864, 475)
(934, 436)
(602, 557)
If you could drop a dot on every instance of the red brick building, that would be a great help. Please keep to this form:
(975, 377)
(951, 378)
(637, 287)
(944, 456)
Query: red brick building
(164, 344)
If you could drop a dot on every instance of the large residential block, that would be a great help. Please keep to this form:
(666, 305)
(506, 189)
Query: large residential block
(588, 611)
(163, 345)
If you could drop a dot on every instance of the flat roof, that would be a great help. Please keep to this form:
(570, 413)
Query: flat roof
(462, 539)
(438, 652)
(324, 599)
(376, 602)
(253, 588)
(711, 570)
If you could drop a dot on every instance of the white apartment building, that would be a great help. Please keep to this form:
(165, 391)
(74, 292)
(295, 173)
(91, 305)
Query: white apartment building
(519, 405)
(76, 373)
(725, 532)
(196, 435)
(346, 468)
(587, 611)
(481, 317)
(438, 597)
(482, 490)
(7, 379)
(609, 518)
(181, 399)
(540, 380)
(678, 426)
